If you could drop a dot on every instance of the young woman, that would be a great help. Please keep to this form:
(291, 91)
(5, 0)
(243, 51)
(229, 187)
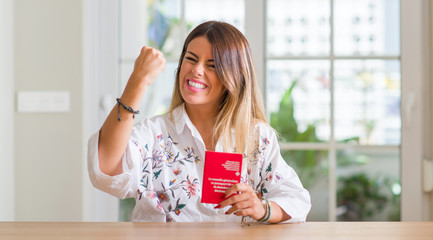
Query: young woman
(216, 106)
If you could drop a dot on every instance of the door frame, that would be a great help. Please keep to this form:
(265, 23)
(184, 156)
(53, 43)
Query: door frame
(7, 169)
(100, 88)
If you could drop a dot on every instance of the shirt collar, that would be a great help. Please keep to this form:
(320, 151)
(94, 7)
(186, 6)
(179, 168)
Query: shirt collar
(181, 119)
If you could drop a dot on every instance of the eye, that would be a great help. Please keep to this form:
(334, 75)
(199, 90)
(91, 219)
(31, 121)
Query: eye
(211, 66)
(190, 59)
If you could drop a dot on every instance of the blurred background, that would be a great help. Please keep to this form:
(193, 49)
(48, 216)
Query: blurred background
(347, 84)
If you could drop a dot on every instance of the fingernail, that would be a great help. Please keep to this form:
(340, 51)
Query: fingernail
(217, 206)
(228, 196)
(227, 213)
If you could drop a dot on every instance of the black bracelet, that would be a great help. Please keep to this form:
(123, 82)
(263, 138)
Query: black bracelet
(125, 107)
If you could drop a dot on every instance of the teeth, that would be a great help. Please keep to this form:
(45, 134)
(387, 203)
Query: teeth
(196, 85)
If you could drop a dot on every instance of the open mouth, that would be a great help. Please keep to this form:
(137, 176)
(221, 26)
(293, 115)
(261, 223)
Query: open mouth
(196, 85)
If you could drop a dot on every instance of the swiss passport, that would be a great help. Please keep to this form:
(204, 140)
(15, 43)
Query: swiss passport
(221, 171)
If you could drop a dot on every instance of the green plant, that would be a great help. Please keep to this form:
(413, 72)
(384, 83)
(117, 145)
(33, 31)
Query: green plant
(359, 195)
(311, 165)
(285, 124)
(126, 207)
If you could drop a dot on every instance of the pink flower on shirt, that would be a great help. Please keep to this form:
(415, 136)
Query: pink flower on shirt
(190, 185)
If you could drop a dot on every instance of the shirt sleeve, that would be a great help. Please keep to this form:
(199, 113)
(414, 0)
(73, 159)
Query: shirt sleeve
(281, 184)
(120, 185)
(123, 185)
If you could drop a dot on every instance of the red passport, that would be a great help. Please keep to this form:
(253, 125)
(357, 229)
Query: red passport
(221, 171)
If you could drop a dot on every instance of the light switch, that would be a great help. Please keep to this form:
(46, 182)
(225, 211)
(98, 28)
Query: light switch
(43, 101)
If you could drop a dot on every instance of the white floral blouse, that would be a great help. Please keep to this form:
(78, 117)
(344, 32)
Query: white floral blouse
(163, 171)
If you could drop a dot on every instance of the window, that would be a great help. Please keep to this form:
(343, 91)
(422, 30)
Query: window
(333, 87)
(333, 93)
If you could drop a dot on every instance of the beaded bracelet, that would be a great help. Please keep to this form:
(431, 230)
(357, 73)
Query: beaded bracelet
(128, 108)
(267, 215)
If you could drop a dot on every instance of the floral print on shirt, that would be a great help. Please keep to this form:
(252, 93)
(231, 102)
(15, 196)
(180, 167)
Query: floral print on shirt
(169, 195)
(174, 195)
(257, 162)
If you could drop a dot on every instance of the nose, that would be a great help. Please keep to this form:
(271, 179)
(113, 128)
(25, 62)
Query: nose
(198, 69)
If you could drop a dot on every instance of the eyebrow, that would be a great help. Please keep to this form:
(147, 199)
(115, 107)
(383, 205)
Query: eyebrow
(195, 55)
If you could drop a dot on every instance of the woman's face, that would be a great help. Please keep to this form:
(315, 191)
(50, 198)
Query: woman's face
(198, 79)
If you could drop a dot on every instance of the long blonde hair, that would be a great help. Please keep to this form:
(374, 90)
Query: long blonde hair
(241, 105)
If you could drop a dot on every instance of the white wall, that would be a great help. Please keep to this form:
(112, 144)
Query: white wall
(48, 146)
(6, 120)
